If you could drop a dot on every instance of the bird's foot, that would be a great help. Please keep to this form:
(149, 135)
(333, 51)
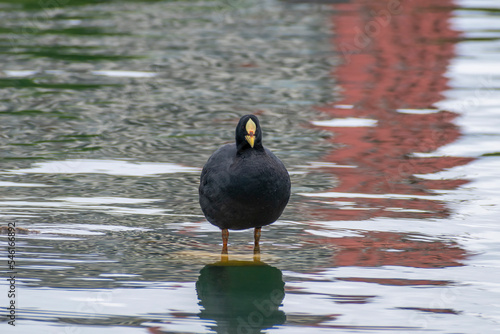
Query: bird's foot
(256, 248)
(225, 238)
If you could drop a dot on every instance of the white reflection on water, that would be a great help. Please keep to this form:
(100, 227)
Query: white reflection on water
(126, 74)
(418, 111)
(334, 194)
(347, 122)
(110, 167)
(84, 229)
(15, 184)
(83, 205)
(19, 73)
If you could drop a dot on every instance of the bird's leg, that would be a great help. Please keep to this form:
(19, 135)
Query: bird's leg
(256, 234)
(225, 237)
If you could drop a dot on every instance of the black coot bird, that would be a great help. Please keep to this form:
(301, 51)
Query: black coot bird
(244, 185)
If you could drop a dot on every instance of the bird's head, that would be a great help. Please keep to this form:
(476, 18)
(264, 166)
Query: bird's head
(248, 133)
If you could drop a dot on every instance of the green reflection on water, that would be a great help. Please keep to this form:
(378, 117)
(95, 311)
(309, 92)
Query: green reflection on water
(241, 296)
(68, 53)
(50, 4)
(34, 112)
(55, 54)
(72, 31)
(30, 83)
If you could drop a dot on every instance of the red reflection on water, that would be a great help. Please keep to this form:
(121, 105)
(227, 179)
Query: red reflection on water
(374, 249)
(393, 72)
(395, 55)
(394, 281)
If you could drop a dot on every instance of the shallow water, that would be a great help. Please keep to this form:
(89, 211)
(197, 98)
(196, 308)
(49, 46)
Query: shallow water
(386, 116)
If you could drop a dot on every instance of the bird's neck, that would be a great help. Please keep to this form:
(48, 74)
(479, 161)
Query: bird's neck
(248, 150)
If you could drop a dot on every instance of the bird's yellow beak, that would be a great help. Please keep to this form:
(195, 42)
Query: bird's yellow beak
(251, 129)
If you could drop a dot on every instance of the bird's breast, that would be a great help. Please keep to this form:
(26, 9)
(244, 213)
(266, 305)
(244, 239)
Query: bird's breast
(256, 182)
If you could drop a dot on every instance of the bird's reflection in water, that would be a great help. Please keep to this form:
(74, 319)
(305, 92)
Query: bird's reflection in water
(242, 297)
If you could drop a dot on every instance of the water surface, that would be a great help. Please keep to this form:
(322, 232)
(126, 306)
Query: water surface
(386, 116)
